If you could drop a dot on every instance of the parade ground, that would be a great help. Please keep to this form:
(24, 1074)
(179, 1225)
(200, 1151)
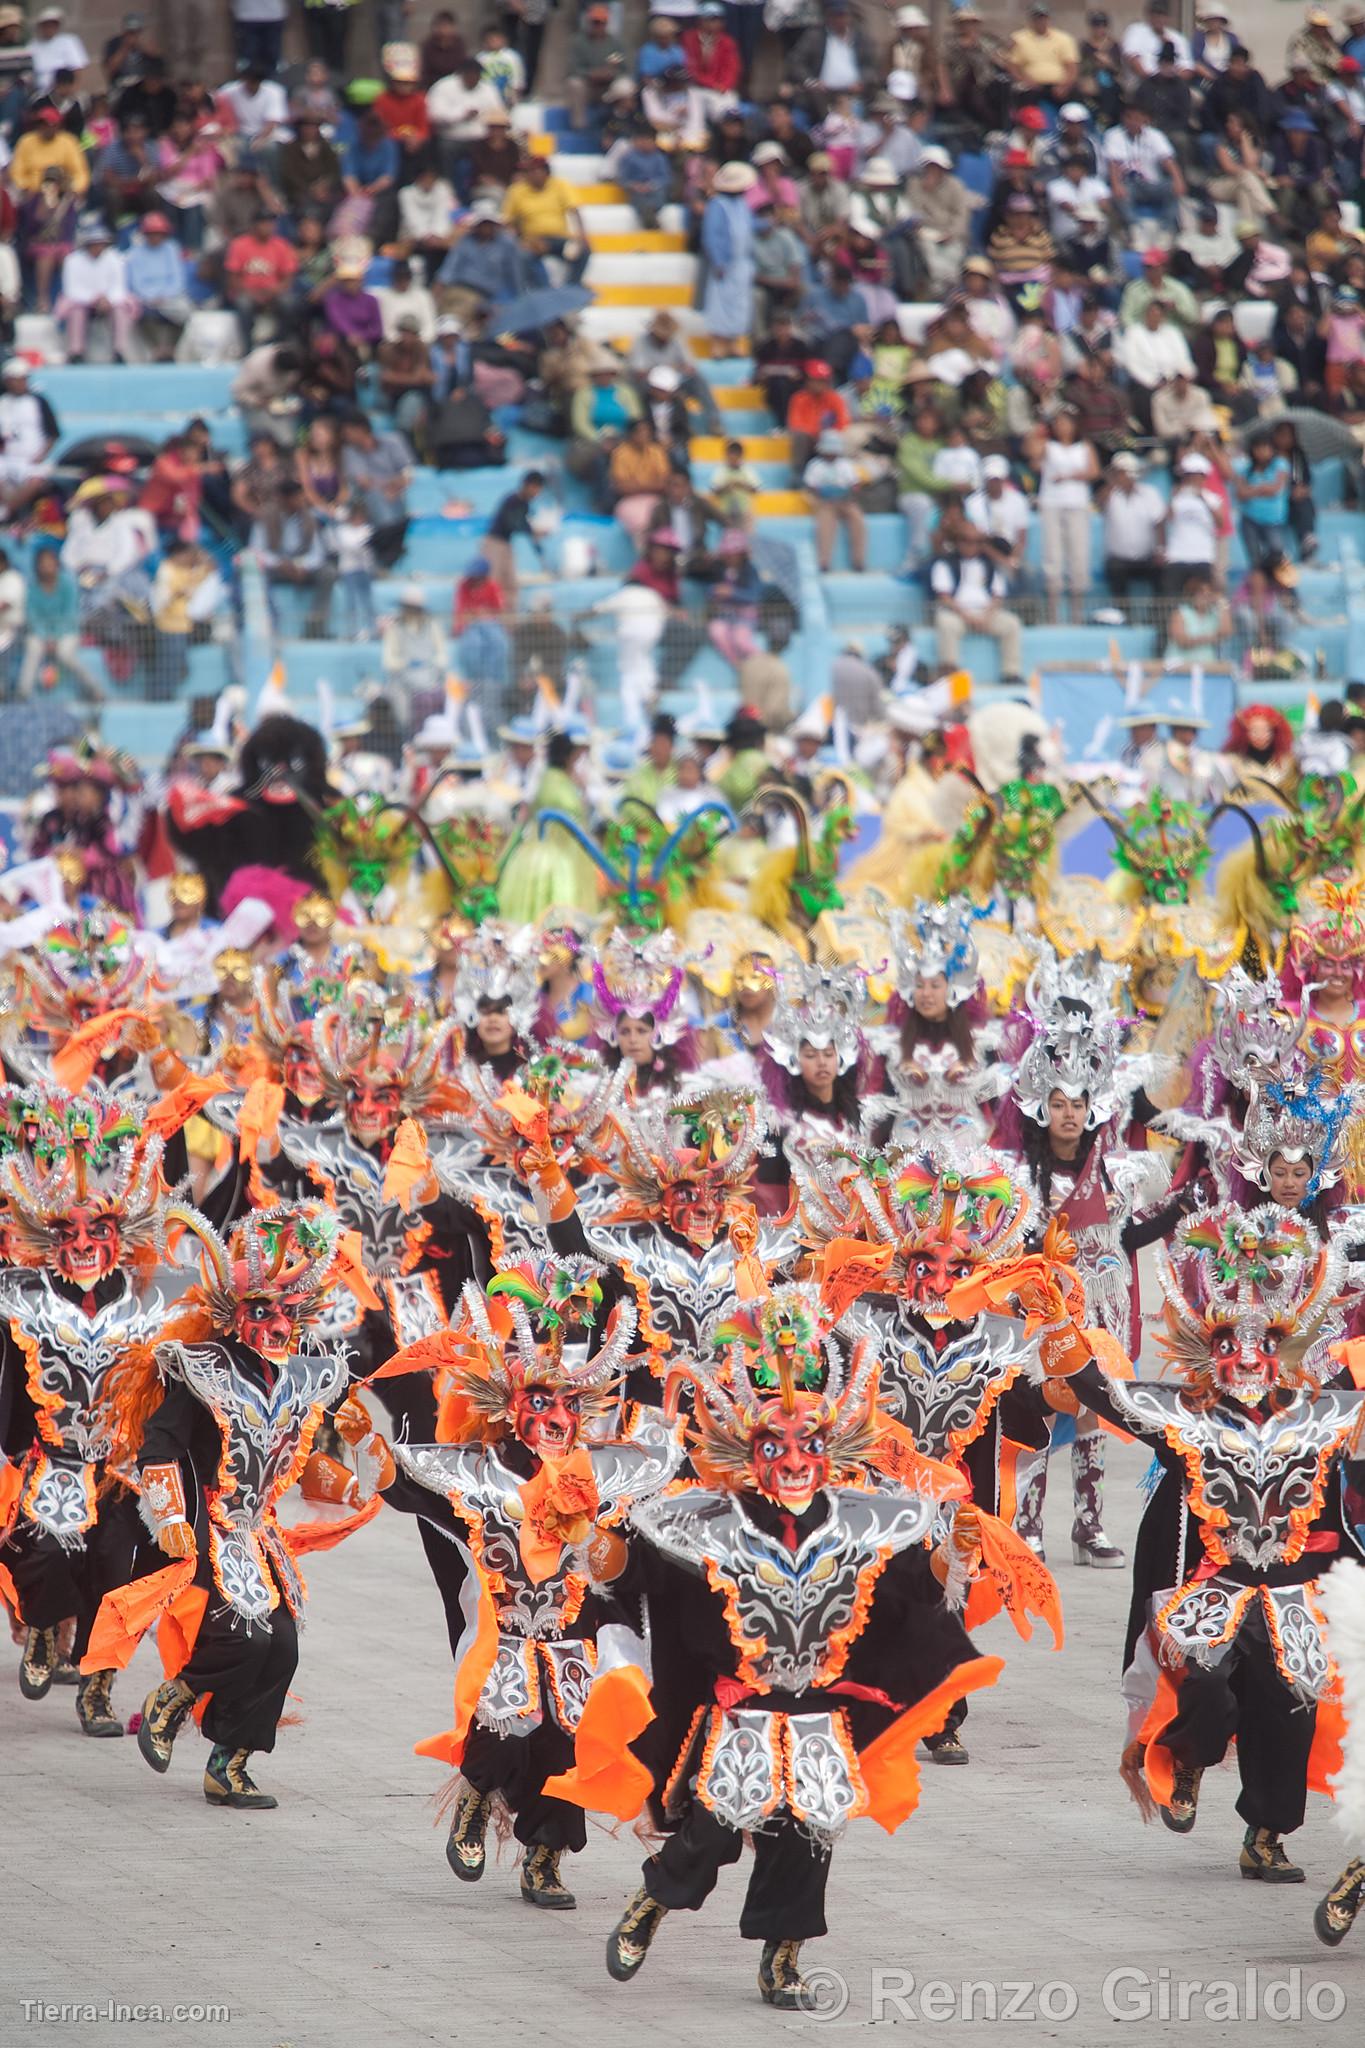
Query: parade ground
(1026, 1879)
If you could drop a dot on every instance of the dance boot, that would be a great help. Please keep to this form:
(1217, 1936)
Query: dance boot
(1028, 1516)
(947, 1747)
(227, 1781)
(629, 1940)
(540, 1881)
(1089, 1544)
(780, 1979)
(1336, 1913)
(164, 1713)
(1183, 1810)
(1263, 1856)
(95, 1705)
(468, 1826)
(38, 1664)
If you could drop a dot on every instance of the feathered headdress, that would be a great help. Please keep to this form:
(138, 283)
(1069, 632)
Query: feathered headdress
(370, 1036)
(1332, 941)
(83, 1151)
(777, 1353)
(534, 1326)
(81, 968)
(1249, 1301)
(289, 1255)
(817, 1006)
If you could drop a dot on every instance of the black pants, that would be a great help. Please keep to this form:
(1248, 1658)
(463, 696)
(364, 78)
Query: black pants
(517, 1767)
(248, 1672)
(54, 1584)
(1121, 575)
(259, 42)
(1246, 1697)
(327, 29)
(785, 1900)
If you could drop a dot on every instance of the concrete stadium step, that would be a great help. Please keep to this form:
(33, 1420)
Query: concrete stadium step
(596, 194)
(651, 295)
(585, 169)
(638, 242)
(643, 269)
(621, 220)
(757, 447)
(781, 504)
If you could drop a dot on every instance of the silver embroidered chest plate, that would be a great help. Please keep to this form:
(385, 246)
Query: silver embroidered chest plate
(939, 1394)
(788, 1603)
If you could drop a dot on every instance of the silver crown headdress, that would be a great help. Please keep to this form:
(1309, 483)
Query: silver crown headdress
(936, 939)
(1255, 1034)
(497, 967)
(639, 978)
(816, 1006)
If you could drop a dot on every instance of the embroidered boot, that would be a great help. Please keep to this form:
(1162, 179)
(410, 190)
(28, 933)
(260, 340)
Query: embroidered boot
(629, 1940)
(164, 1713)
(465, 1842)
(1336, 1913)
(779, 1976)
(1180, 1815)
(1028, 1515)
(227, 1782)
(540, 1881)
(95, 1705)
(1263, 1856)
(38, 1663)
(1089, 1544)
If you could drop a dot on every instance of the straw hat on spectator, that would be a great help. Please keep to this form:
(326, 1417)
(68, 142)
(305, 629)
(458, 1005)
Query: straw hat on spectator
(732, 180)
(879, 173)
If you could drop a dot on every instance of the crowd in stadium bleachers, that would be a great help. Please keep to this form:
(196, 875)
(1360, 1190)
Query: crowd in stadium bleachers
(962, 276)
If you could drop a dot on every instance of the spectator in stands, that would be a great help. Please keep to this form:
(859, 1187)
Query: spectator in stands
(1190, 531)
(600, 412)
(596, 59)
(46, 232)
(1134, 511)
(832, 478)
(258, 33)
(406, 378)
(259, 110)
(46, 146)
(426, 215)
(969, 597)
(287, 543)
(1303, 516)
(1144, 173)
(95, 286)
(28, 434)
(1180, 408)
(1067, 469)
(172, 491)
(942, 210)
(108, 544)
(159, 280)
(539, 210)
(661, 346)
(918, 489)
(443, 51)
(511, 519)
(636, 474)
(54, 48)
(371, 166)
(307, 168)
(459, 106)
(1153, 351)
(52, 645)
(352, 313)
(1263, 479)
(258, 269)
(266, 388)
(13, 599)
(1201, 621)
(187, 594)
(483, 266)
(1042, 60)
(1001, 515)
(733, 600)
(727, 243)
(377, 471)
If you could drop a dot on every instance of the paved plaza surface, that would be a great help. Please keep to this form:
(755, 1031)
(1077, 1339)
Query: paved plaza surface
(335, 1923)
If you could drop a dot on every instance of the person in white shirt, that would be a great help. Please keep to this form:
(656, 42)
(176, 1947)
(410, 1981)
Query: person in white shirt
(1142, 41)
(459, 107)
(1190, 529)
(94, 283)
(969, 593)
(13, 605)
(1000, 513)
(1068, 468)
(27, 433)
(1067, 194)
(259, 106)
(1152, 351)
(55, 49)
(832, 478)
(1133, 512)
(1144, 172)
(401, 296)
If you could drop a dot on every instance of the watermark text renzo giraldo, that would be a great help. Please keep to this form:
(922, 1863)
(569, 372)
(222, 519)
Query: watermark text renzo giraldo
(1251, 1996)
